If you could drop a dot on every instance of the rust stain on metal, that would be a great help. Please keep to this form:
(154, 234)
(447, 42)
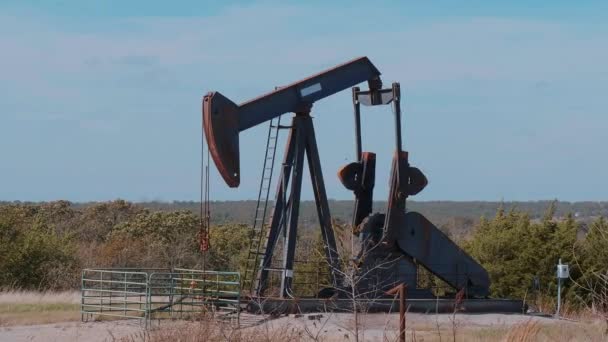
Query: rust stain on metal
(222, 134)
(400, 290)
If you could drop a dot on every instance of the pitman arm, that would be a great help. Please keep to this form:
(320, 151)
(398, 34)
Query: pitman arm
(223, 119)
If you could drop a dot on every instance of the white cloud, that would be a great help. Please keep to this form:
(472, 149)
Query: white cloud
(276, 35)
(480, 75)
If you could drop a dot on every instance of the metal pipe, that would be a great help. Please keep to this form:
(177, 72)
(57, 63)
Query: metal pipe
(401, 291)
(357, 107)
(397, 111)
(402, 294)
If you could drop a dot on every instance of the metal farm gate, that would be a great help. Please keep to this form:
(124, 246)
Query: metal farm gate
(146, 294)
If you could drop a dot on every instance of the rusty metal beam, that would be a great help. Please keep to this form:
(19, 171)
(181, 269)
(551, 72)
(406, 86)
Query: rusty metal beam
(223, 119)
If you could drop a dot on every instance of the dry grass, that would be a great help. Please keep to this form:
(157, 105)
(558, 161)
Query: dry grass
(294, 329)
(211, 331)
(34, 318)
(36, 297)
(280, 330)
(524, 332)
(30, 307)
(530, 330)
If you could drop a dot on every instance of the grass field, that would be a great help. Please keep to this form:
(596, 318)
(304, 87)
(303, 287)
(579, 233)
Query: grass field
(29, 307)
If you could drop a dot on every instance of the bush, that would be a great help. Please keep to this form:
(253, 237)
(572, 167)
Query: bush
(36, 258)
(514, 250)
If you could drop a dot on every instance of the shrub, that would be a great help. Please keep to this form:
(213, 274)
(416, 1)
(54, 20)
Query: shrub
(36, 258)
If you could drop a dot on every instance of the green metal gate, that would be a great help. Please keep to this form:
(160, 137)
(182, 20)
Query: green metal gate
(146, 294)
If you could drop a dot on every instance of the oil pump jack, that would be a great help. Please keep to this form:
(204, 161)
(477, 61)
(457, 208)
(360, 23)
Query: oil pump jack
(400, 241)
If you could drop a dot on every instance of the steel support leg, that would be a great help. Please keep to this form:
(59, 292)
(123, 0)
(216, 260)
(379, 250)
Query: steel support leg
(318, 185)
(294, 206)
(301, 141)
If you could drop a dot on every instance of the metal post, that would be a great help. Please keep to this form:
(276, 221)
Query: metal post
(125, 298)
(402, 291)
(171, 285)
(148, 300)
(397, 110)
(181, 295)
(559, 295)
(83, 293)
(357, 107)
(559, 288)
(101, 287)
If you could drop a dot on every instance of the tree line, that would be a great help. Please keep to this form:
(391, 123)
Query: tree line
(46, 245)
(521, 254)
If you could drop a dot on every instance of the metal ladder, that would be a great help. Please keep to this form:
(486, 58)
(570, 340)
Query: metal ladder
(259, 220)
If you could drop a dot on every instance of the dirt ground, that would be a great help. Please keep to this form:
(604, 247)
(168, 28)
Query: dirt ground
(70, 331)
(328, 327)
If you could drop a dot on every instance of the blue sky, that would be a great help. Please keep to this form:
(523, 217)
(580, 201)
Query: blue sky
(101, 99)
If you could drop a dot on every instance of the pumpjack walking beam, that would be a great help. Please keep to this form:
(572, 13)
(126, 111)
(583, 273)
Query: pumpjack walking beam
(223, 120)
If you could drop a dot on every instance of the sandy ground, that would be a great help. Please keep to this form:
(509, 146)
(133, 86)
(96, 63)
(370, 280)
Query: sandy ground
(329, 326)
(71, 331)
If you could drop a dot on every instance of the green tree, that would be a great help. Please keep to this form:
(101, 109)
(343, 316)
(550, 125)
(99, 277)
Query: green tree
(36, 258)
(514, 250)
(95, 222)
(156, 239)
(229, 247)
(591, 261)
